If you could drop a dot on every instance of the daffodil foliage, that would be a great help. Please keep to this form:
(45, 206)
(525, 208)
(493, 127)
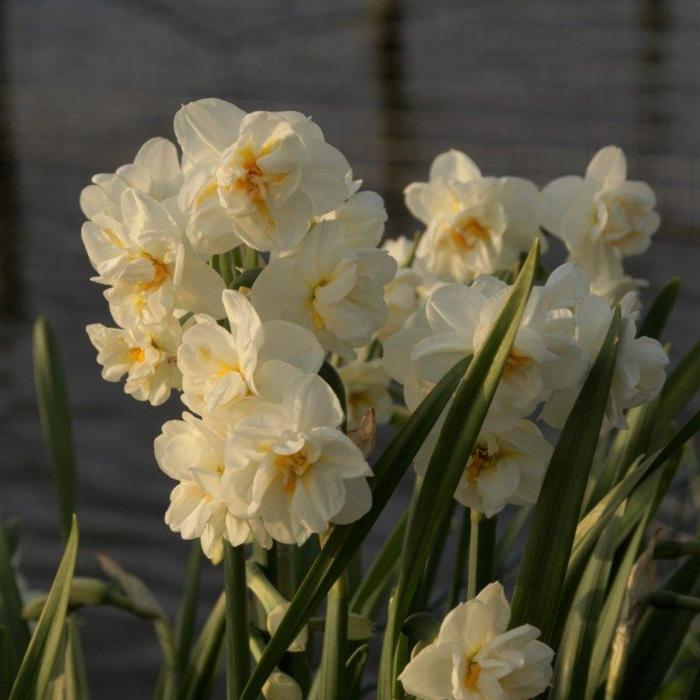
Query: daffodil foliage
(244, 269)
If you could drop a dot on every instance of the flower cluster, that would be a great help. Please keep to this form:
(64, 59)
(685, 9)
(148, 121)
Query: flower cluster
(236, 270)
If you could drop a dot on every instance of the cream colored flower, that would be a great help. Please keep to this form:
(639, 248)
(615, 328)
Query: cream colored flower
(259, 178)
(146, 355)
(221, 367)
(366, 387)
(475, 224)
(329, 286)
(294, 468)
(476, 656)
(147, 261)
(402, 294)
(363, 215)
(191, 451)
(640, 368)
(507, 465)
(601, 217)
(280, 686)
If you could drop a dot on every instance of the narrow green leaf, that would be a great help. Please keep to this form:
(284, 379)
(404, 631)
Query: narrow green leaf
(201, 670)
(668, 600)
(35, 671)
(674, 549)
(76, 685)
(187, 611)
(5, 663)
(551, 537)
(682, 384)
(335, 641)
(11, 607)
(344, 540)
(660, 309)
(354, 669)
(330, 375)
(237, 651)
(52, 397)
(482, 553)
(421, 627)
(383, 569)
(459, 572)
(454, 446)
(509, 538)
(659, 636)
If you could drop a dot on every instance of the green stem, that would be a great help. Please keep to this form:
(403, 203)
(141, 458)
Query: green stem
(482, 548)
(187, 612)
(237, 652)
(335, 636)
(458, 575)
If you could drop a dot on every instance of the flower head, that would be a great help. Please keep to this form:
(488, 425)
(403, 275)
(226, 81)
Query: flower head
(601, 217)
(146, 355)
(476, 657)
(294, 468)
(191, 451)
(366, 387)
(475, 224)
(259, 178)
(330, 286)
(222, 367)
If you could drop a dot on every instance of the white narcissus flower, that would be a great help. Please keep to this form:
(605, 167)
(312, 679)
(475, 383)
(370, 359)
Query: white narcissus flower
(640, 368)
(294, 468)
(475, 224)
(363, 214)
(149, 266)
(601, 217)
(329, 285)
(221, 367)
(146, 355)
(191, 451)
(402, 293)
(155, 171)
(507, 465)
(476, 656)
(456, 321)
(280, 686)
(259, 178)
(366, 387)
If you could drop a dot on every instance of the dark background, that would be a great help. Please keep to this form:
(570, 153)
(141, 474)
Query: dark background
(527, 88)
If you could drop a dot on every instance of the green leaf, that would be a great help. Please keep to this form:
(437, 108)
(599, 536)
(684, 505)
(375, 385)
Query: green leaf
(354, 668)
(237, 643)
(11, 618)
(52, 397)
(335, 641)
(674, 549)
(482, 553)
(330, 375)
(660, 309)
(659, 636)
(345, 540)
(202, 667)
(459, 572)
(509, 537)
(680, 387)
(421, 627)
(187, 611)
(668, 600)
(551, 537)
(5, 664)
(35, 671)
(369, 593)
(452, 450)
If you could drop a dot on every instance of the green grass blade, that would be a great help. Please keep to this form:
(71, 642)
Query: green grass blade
(52, 397)
(682, 384)
(660, 309)
(11, 618)
(35, 671)
(345, 540)
(509, 538)
(237, 643)
(201, 670)
(354, 669)
(551, 537)
(369, 593)
(482, 553)
(455, 443)
(335, 641)
(459, 572)
(659, 637)
(187, 611)
(674, 549)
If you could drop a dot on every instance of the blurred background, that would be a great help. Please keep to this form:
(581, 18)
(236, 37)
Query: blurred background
(530, 89)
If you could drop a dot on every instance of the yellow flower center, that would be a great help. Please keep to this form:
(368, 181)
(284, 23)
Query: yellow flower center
(468, 234)
(471, 677)
(515, 362)
(136, 354)
(160, 274)
(480, 459)
(291, 466)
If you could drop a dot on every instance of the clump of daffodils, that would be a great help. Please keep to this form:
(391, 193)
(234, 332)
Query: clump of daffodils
(245, 269)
